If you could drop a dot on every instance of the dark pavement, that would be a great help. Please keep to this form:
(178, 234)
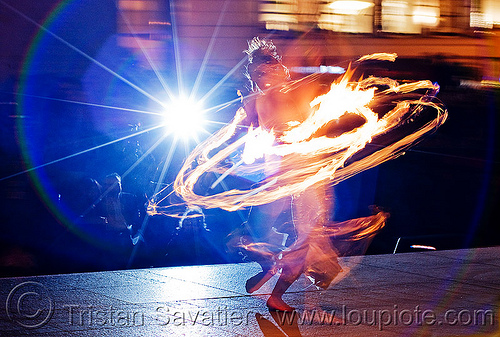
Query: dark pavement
(436, 293)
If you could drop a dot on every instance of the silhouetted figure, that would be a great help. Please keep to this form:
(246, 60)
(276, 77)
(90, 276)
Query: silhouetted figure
(89, 208)
(122, 218)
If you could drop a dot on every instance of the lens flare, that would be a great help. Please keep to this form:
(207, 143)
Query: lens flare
(184, 118)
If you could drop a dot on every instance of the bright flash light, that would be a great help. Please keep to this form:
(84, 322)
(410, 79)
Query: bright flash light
(184, 118)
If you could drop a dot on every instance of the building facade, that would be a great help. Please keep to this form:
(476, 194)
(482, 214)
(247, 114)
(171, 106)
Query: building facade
(315, 32)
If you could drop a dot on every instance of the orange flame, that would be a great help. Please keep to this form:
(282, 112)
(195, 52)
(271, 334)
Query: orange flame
(298, 158)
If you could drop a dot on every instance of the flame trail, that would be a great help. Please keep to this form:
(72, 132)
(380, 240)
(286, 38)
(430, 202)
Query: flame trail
(379, 56)
(307, 154)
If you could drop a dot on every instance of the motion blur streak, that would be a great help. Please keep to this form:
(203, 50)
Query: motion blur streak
(308, 153)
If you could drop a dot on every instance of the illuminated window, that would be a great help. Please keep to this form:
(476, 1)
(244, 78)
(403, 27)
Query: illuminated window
(352, 16)
(485, 14)
(289, 14)
(409, 16)
(426, 13)
(396, 17)
(392, 16)
(355, 16)
(279, 15)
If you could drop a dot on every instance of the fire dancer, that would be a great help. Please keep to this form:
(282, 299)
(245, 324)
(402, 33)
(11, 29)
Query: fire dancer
(300, 147)
(273, 109)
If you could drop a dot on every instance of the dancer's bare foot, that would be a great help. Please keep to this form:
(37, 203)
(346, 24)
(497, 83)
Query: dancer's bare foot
(255, 282)
(276, 303)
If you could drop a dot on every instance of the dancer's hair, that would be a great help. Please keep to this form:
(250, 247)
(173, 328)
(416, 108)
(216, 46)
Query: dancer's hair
(259, 52)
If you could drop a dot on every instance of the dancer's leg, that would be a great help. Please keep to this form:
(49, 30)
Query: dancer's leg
(260, 222)
(287, 277)
(309, 212)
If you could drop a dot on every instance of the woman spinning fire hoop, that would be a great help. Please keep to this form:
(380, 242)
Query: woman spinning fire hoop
(300, 147)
